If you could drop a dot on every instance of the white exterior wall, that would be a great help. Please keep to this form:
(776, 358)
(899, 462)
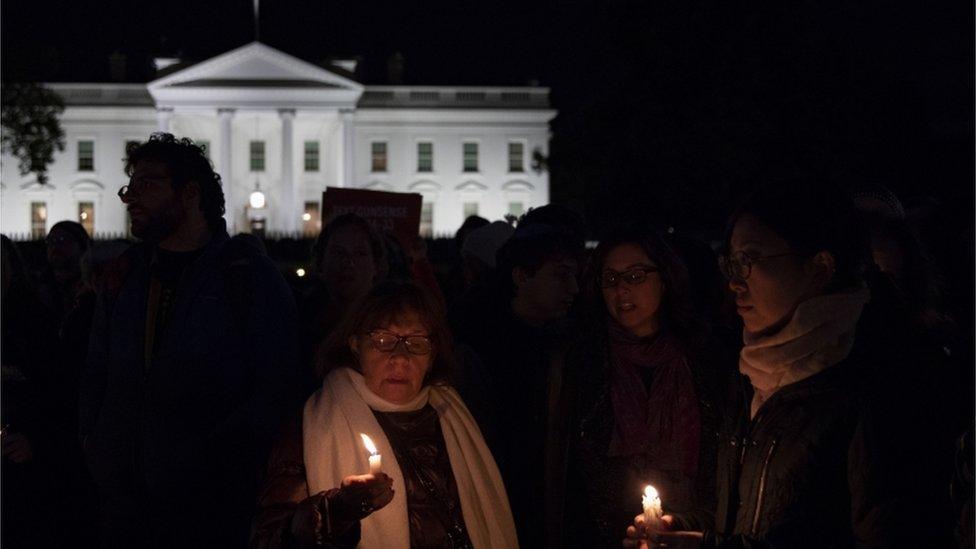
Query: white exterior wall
(448, 186)
(109, 128)
(341, 114)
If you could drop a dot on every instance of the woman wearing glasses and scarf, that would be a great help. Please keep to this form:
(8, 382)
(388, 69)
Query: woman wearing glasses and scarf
(385, 372)
(811, 454)
(646, 400)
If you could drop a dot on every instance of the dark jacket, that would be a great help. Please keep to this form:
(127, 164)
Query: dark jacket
(810, 470)
(605, 490)
(177, 442)
(512, 374)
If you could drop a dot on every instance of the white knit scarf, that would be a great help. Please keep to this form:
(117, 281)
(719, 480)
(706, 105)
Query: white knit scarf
(338, 412)
(819, 335)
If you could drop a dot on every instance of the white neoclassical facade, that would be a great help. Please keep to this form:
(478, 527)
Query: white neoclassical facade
(271, 121)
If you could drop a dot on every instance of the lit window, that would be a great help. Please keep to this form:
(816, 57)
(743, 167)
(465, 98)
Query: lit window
(470, 208)
(516, 157)
(378, 150)
(86, 216)
(425, 157)
(427, 219)
(311, 221)
(311, 156)
(38, 217)
(86, 156)
(516, 209)
(470, 157)
(257, 156)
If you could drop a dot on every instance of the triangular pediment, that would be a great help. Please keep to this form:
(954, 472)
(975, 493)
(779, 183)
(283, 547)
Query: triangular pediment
(255, 76)
(252, 65)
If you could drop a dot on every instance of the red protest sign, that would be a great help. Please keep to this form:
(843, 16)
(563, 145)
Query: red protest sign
(394, 213)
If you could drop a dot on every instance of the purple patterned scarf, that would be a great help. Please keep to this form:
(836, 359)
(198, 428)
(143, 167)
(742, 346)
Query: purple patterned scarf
(662, 421)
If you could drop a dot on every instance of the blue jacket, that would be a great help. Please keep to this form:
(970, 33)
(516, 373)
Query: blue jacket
(204, 410)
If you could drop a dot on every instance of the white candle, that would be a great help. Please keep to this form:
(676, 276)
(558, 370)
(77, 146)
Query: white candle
(652, 509)
(375, 460)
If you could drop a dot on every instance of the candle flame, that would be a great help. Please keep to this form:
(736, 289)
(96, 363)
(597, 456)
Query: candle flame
(649, 491)
(369, 444)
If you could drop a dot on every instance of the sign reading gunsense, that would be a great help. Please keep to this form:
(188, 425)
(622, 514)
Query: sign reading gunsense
(394, 213)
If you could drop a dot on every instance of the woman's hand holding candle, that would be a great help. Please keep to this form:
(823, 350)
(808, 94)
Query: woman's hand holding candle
(641, 536)
(363, 494)
(652, 509)
(649, 523)
(329, 514)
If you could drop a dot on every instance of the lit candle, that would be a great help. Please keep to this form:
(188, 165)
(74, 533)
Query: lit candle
(375, 463)
(652, 509)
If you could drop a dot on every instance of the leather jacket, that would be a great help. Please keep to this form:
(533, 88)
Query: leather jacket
(809, 470)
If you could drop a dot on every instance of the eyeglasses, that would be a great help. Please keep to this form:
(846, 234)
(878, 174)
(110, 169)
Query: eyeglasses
(129, 192)
(739, 264)
(609, 278)
(136, 186)
(388, 341)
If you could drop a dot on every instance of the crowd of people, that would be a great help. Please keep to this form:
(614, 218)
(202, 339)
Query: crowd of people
(801, 386)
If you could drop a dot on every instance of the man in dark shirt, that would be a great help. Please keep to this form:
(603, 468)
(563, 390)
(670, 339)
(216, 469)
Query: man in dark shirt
(513, 336)
(191, 364)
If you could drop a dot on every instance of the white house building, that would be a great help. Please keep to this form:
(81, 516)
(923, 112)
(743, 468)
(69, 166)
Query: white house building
(271, 121)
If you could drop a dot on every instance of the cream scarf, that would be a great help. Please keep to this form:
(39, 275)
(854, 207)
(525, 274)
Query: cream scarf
(819, 335)
(338, 412)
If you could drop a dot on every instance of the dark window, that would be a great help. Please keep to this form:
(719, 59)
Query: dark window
(86, 156)
(311, 156)
(425, 157)
(257, 156)
(470, 157)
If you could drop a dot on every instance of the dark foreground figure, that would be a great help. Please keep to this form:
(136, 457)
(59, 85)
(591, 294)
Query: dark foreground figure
(824, 443)
(190, 366)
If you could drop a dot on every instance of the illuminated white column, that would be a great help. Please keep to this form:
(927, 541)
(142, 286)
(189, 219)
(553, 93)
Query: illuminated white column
(163, 117)
(289, 210)
(348, 148)
(226, 116)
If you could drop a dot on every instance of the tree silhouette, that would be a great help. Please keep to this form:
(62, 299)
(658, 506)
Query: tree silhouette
(32, 129)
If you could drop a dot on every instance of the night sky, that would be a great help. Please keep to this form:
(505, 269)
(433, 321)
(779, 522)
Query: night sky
(667, 109)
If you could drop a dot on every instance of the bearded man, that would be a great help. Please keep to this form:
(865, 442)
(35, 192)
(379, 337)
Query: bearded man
(191, 363)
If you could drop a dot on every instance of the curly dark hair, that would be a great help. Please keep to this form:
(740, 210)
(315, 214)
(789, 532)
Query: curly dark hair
(186, 161)
(383, 304)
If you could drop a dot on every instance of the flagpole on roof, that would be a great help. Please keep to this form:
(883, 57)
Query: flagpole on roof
(257, 21)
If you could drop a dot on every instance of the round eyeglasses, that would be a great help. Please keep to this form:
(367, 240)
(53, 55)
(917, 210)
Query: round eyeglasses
(738, 265)
(610, 278)
(135, 187)
(388, 341)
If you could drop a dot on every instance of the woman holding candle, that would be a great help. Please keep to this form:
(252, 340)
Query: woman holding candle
(801, 458)
(647, 389)
(385, 373)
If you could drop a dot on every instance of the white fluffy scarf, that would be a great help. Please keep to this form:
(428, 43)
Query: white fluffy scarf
(338, 412)
(819, 335)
